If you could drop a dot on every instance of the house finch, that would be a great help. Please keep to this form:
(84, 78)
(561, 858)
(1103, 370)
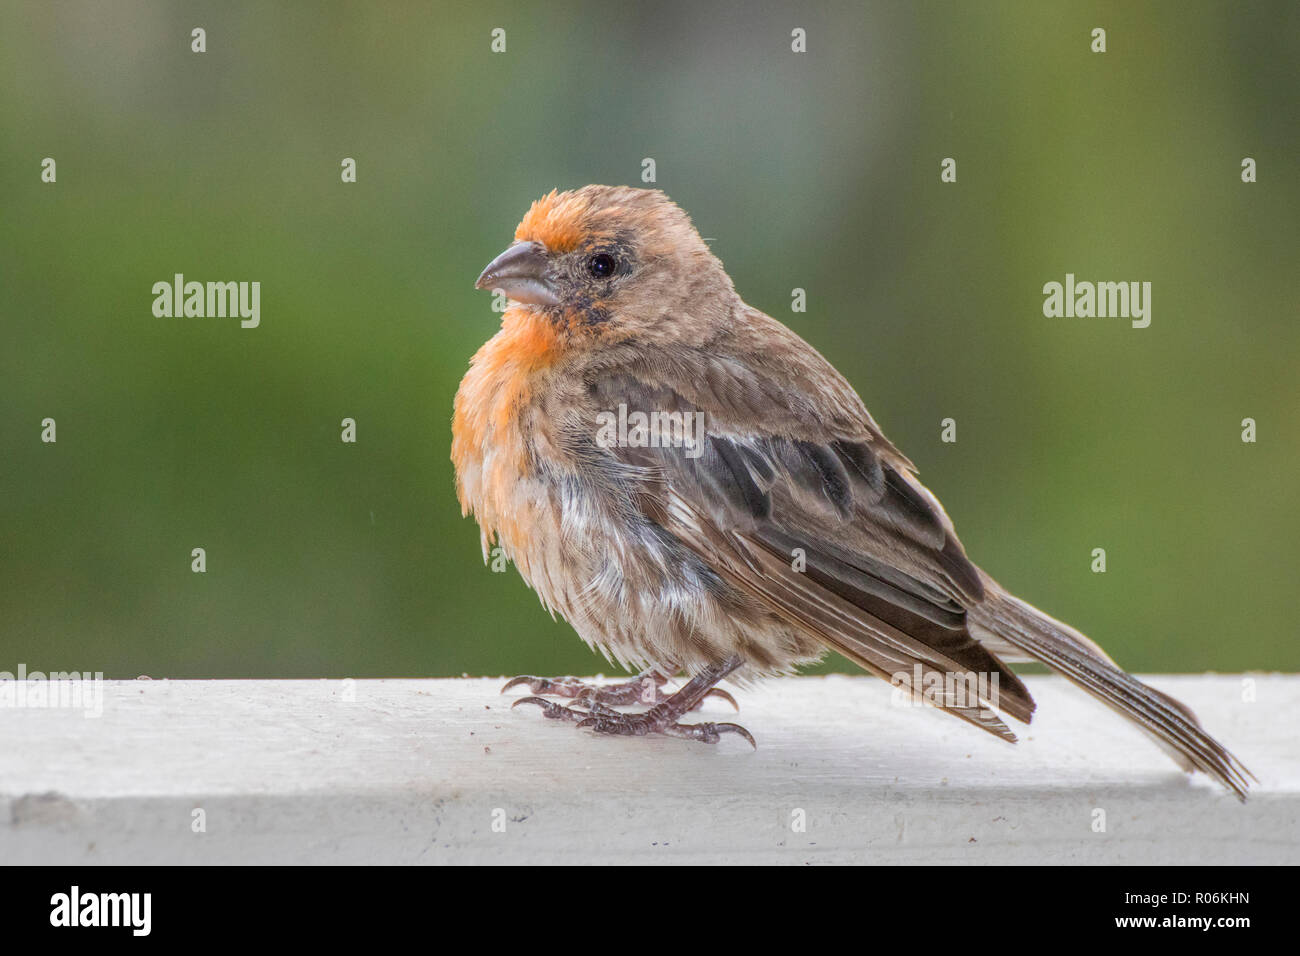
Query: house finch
(696, 489)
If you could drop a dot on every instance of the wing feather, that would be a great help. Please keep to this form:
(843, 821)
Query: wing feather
(747, 504)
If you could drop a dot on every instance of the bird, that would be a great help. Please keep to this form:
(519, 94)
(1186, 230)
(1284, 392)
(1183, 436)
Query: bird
(700, 493)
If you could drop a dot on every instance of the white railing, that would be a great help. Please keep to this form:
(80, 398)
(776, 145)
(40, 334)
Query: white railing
(443, 771)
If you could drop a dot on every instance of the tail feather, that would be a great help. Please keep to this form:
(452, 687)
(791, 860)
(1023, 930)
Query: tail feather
(1065, 650)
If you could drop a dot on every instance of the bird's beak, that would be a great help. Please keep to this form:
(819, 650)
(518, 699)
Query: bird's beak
(523, 273)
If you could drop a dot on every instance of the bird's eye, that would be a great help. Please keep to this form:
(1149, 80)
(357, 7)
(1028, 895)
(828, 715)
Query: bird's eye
(601, 265)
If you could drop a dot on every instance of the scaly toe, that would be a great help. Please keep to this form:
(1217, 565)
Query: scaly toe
(554, 686)
(637, 725)
(551, 709)
(708, 733)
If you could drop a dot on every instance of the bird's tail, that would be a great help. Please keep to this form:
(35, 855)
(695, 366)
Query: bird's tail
(1005, 624)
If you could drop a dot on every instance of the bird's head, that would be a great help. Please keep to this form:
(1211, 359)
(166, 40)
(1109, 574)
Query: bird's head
(612, 262)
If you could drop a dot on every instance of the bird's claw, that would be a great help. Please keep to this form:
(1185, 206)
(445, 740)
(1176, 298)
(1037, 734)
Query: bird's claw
(729, 728)
(550, 709)
(627, 693)
(554, 711)
(592, 705)
(558, 686)
(719, 692)
(640, 725)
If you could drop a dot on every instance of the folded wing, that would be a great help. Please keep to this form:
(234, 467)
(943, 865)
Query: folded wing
(834, 536)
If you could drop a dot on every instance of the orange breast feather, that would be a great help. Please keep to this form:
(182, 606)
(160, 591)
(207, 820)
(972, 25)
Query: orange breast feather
(489, 446)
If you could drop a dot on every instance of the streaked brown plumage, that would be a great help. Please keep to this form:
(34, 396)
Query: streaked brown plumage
(795, 527)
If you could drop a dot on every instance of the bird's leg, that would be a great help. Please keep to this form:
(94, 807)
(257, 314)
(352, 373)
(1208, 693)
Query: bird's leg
(662, 717)
(645, 688)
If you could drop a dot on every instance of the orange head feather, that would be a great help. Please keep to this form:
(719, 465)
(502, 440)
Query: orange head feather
(555, 220)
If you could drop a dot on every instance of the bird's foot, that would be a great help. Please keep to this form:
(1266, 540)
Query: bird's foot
(646, 688)
(641, 725)
(594, 704)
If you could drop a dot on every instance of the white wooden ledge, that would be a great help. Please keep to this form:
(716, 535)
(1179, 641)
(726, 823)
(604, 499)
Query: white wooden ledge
(418, 771)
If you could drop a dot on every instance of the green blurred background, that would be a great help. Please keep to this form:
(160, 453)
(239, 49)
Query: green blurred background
(817, 170)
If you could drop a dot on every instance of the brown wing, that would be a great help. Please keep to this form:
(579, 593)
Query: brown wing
(832, 534)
